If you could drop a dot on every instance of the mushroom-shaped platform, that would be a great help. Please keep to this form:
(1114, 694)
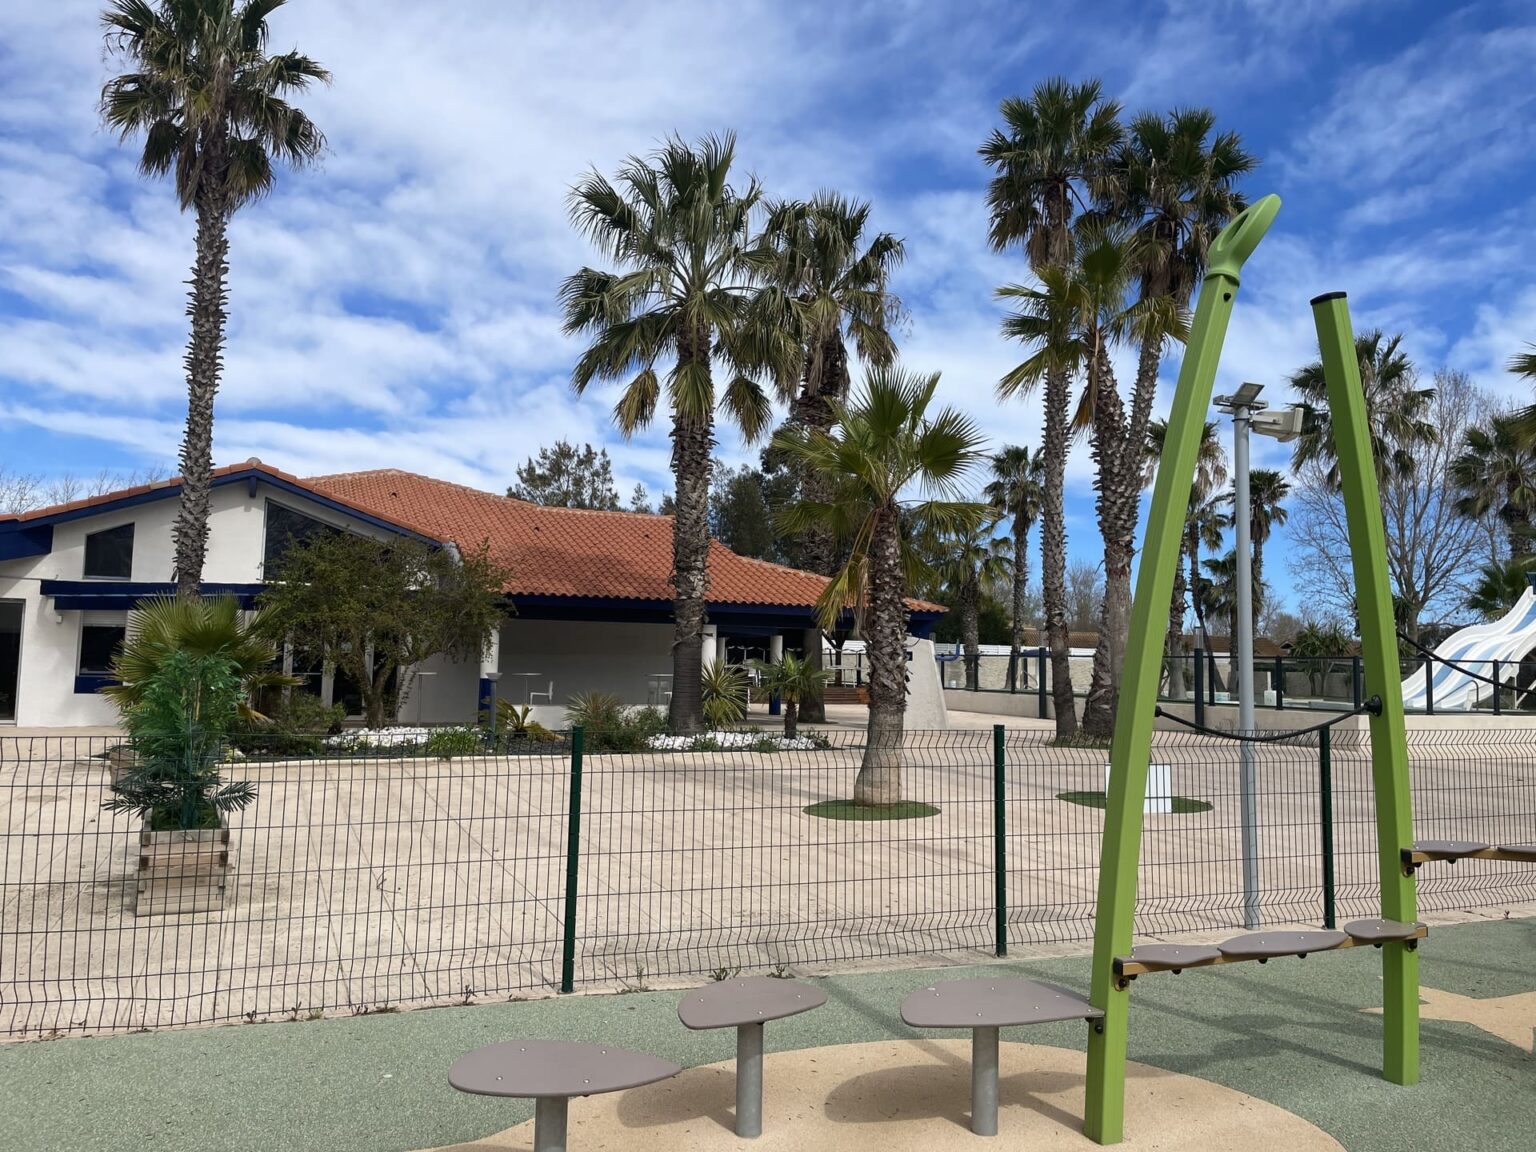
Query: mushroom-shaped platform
(1265, 945)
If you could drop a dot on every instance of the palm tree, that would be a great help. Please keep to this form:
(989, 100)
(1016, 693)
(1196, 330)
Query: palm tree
(1206, 528)
(1496, 472)
(1210, 474)
(1396, 409)
(970, 560)
(1500, 585)
(202, 629)
(792, 680)
(1267, 492)
(684, 286)
(885, 443)
(1524, 364)
(1016, 491)
(1079, 312)
(212, 107)
(828, 283)
(1053, 147)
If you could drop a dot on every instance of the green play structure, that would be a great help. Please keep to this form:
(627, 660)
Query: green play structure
(1115, 962)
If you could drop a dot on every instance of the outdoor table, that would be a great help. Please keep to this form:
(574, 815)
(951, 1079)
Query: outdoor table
(746, 1005)
(984, 1006)
(528, 679)
(551, 1072)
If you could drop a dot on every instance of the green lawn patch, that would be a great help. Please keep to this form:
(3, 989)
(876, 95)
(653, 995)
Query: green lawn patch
(848, 810)
(1182, 805)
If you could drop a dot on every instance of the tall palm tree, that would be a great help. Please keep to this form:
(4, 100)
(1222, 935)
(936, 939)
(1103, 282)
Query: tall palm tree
(683, 288)
(1205, 529)
(1396, 409)
(1267, 492)
(212, 106)
(1073, 319)
(1017, 492)
(1210, 475)
(970, 559)
(884, 444)
(1500, 585)
(1496, 472)
(1052, 149)
(828, 282)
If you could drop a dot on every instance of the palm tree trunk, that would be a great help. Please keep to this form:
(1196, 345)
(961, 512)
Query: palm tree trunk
(692, 439)
(204, 362)
(1020, 590)
(791, 718)
(970, 634)
(1053, 554)
(879, 779)
(1119, 485)
(1175, 645)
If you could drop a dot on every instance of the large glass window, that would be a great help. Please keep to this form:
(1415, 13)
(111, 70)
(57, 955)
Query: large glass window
(285, 528)
(99, 643)
(109, 554)
(10, 656)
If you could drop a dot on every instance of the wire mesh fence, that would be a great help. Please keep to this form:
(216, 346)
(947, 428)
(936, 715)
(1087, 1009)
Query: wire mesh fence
(362, 882)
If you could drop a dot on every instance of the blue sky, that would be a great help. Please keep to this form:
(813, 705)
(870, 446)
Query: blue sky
(396, 307)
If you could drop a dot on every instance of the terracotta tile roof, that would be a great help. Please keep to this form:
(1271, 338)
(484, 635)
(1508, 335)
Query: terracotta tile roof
(173, 482)
(568, 551)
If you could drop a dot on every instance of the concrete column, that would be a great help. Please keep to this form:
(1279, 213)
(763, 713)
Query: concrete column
(713, 646)
(720, 649)
(490, 666)
(775, 648)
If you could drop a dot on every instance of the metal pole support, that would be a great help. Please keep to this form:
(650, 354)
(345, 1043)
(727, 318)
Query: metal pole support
(1325, 804)
(549, 1116)
(984, 1081)
(1040, 683)
(572, 871)
(1000, 838)
(749, 1080)
(1199, 688)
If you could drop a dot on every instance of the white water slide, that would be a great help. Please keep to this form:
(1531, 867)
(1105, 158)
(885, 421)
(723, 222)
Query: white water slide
(1474, 650)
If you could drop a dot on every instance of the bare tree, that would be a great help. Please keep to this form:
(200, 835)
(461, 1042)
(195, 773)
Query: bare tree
(20, 492)
(1085, 596)
(1432, 549)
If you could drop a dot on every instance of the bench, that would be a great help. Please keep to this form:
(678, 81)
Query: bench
(984, 1006)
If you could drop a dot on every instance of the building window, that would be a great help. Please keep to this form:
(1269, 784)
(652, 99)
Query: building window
(285, 528)
(99, 644)
(109, 554)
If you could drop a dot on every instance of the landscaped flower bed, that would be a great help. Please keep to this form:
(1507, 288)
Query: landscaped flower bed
(753, 741)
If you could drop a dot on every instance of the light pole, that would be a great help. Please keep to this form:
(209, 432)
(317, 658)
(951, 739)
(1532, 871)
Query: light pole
(1248, 414)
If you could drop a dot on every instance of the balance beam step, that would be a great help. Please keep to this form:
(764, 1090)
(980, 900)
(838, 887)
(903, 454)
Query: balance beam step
(1447, 849)
(1525, 852)
(1173, 957)
(1263, 945)
(1380, 931)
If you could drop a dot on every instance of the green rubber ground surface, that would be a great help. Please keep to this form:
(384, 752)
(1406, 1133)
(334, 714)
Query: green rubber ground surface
(1291, 1032)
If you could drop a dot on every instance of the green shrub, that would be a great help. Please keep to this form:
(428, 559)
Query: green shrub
(296, 726)
(178, 725)
(725, 695)
(610, 726)
(445, 743)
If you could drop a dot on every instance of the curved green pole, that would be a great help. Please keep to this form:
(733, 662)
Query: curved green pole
(1104, 1110)
(1378, 645)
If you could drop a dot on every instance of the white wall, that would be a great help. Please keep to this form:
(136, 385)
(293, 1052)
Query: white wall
(50, 640)
(443, 692)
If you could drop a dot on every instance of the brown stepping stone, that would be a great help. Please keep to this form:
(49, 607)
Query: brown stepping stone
(1264, 945)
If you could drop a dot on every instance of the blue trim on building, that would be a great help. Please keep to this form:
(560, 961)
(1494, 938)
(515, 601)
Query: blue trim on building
(87, 685)
(120, 595)
(19, 541)
(248, 476)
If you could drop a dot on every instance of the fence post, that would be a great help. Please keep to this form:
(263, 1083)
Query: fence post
(1429, 684)
(1040, 682)
(1325, 795)
(1280, 683)
(1496, 708)
(572, 862)
(1199, 688)
(1354, 680)
(1000, 837)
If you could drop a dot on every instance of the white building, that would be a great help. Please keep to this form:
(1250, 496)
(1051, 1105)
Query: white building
(589, 590)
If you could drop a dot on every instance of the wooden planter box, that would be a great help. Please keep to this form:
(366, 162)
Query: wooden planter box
(182, 871)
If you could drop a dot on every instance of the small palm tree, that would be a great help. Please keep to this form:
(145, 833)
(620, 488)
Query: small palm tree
(1396, 409)
(828, 284)
(1017, 491)
(1053, 148)
(1267, 493)
(1496, 472)
(212, 106)
(1206, 528)
(884, 445)
(970, 560)
(1523, 364)
(679, 233)
(1500, 585)
(1210, 474)
(792, 680)
(202, 628)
